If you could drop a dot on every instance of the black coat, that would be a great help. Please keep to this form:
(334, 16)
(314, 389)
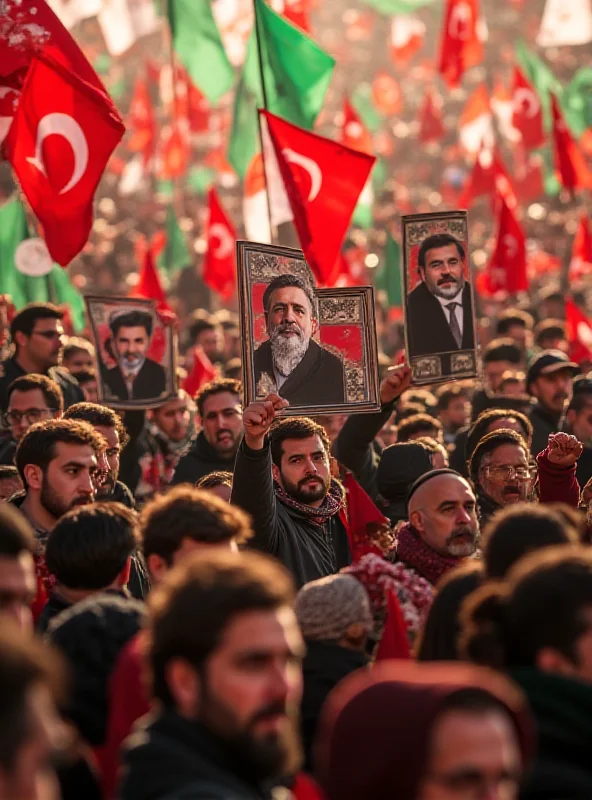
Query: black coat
(543, 423)
(200, 460)
(309, 551)
(317, 380)
(149, 383)
(175, 758)
(428, 326)
(11, 369)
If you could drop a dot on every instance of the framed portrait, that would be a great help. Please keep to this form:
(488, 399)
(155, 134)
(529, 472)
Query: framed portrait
(315, 347)
(136, 354)
(440, 326)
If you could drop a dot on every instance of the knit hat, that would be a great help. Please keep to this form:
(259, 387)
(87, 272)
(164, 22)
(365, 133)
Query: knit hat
(327, 607)
(434, 473)
(400, 465)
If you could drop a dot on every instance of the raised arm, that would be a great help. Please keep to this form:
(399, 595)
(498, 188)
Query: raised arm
(557, 470)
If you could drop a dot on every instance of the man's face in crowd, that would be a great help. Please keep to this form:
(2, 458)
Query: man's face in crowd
(499, 478)
(212, 341)
(443, 511)
(473, 754)
(131, 345)
(173, 418)
(68, 480)
(91, 391)
(222, 422)
(290, 326)
(77, 361)
(332, 423)
(521, 335)
(18, 587)
(457, 414)
(581, 423)
(554, 343)
(44, 345)
(251, 690)
(443, 272)
(305, 472)
(112, 458)
(32, 407)
(553, 390)
(506, 422)
(493, 372)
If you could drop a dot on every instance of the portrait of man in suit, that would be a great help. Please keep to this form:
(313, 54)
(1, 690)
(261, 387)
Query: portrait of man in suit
(290, 362)
(439, 314)
(136, 377)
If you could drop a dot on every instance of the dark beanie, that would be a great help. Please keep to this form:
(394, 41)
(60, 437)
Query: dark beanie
(433, 473)
(400, 465)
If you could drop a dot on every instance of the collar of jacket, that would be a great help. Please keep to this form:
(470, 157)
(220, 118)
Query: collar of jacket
(204, 451)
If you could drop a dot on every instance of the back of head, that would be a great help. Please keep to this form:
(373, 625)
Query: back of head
(400, 465)
(374, 734)
(199, 598)
(90, 546)
(16, 534)
(502, 350)
(520, 529)
(328, 607)
(423, 424)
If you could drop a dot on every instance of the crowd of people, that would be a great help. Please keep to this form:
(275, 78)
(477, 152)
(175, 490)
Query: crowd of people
(207, 600)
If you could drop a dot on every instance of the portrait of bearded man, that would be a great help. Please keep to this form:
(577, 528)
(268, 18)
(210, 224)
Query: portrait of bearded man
(290, 362)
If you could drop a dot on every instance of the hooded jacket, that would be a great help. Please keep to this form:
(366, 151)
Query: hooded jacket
(200, 460)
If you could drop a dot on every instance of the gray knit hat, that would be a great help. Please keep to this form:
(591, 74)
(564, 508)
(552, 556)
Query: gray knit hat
(327, 607)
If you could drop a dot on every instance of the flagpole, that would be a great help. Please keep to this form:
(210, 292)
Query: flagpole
(257, 25)
(178, 199)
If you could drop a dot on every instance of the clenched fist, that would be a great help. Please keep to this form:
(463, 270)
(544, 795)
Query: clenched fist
(257, 419)
(564, 450)
(394, 383)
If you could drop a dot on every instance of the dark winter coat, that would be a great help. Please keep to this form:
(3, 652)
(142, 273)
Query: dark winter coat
(543, 423)
(10, 370)
(200, 460)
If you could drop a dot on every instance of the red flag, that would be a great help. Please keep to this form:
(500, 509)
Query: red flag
(394, 642)
(527, 116)
(149, 285)
(431, 128)
(295, 11)
(323, 181)
(386, 94)
(59, 173)
(353, 132)
(569, 161)
(489, 176)
(141, 121)
(202, 372)
(461, 46)
(174, 153)
(506, 271)
(579, 332)
(191, 109)
(219, 263)
(581, 254)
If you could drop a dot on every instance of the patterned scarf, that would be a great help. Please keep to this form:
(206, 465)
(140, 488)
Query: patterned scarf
(331, 505)
(414, 552)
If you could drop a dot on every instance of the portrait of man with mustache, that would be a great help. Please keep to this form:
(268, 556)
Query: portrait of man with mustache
(439, 309)
(290, 363)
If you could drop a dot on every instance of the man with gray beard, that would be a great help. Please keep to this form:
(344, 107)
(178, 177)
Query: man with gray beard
(290, 363)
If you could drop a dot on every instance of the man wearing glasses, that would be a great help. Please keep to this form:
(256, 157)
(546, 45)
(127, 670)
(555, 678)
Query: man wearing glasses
(37, 335)
(31, 398)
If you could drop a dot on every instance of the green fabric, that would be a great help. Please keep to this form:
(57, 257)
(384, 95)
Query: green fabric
(244, 135)
(389, 7)
(363, 104)
(540, 76)
(61, 291)
(388, 278)
(551, 183)
(378, 176)
(197, 41)
(165, 187)
(200, 179)
(175, 254)
(362, 216)
(102, 63)
(577, 101)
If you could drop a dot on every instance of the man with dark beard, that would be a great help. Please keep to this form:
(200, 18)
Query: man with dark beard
(290, 363)
(224, 652)
(282, 478)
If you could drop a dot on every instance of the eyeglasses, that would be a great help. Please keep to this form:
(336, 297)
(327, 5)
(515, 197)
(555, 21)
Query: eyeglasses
(508, 473)
(49, 334)
(33, 415)
(473, 785)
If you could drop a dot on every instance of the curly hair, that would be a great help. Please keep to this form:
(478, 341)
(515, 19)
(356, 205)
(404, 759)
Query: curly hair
(95, 414)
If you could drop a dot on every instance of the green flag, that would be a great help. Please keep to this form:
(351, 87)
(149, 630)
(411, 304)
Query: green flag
(200, 179)
(388, 279)
(390, 7)
(540, 76)
(196, 40)
(577, 101)
(175, 254)
(363, 104)
(244, 135)
(62, 292)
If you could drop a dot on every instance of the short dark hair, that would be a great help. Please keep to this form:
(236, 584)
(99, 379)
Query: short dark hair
(519, 529)
(216, 387)
(580, 401)
(479, 427)
(283, 281)
(438, 240)
(25, 320)
(16, 534)
(25, 662)
(502, 350)
(52, 394)
(201, 321)
(8, 471)
(132, 319)
(95, 414)
(549, 328)
(85, 376)
(447, 393)
(212, 479)
(513, 316)
(77, 344)
(185, 512)
(294, 428)
(506, 624)
(408, 410)
(90, 545)
(422, 397)
(38, 444)
(191, 608)
(418, 423)
(489, 443)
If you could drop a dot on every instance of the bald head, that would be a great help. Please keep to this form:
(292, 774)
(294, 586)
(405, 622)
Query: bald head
(442, 510)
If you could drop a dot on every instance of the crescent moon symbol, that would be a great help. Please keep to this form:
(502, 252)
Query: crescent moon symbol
(66, 126)
(525, 101)
(311, 166)
(221, 232)
(460, 15)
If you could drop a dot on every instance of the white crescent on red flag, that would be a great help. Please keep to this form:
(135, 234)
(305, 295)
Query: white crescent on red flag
(219, 270)
(461, 46)
(527, 114)
(569, 160)
(323, 180)
(506, 270)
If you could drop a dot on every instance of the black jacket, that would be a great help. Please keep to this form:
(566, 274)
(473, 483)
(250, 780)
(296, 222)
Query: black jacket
(317, 380)
(175, 758)
(200, 460)
(428, 329)
(543, 423)
(11, 369)
(7, 450)
(324, 666)
(309, 551)
(149, 383)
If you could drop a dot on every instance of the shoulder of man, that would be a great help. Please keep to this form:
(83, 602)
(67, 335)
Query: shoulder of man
(9, 370)
(61, 375)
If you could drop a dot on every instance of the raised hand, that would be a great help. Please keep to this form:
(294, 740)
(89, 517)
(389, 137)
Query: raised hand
(564, 450)
(258, 417)
(394, 383)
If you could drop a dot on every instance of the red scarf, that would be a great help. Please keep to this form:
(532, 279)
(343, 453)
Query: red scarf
(414, 552)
